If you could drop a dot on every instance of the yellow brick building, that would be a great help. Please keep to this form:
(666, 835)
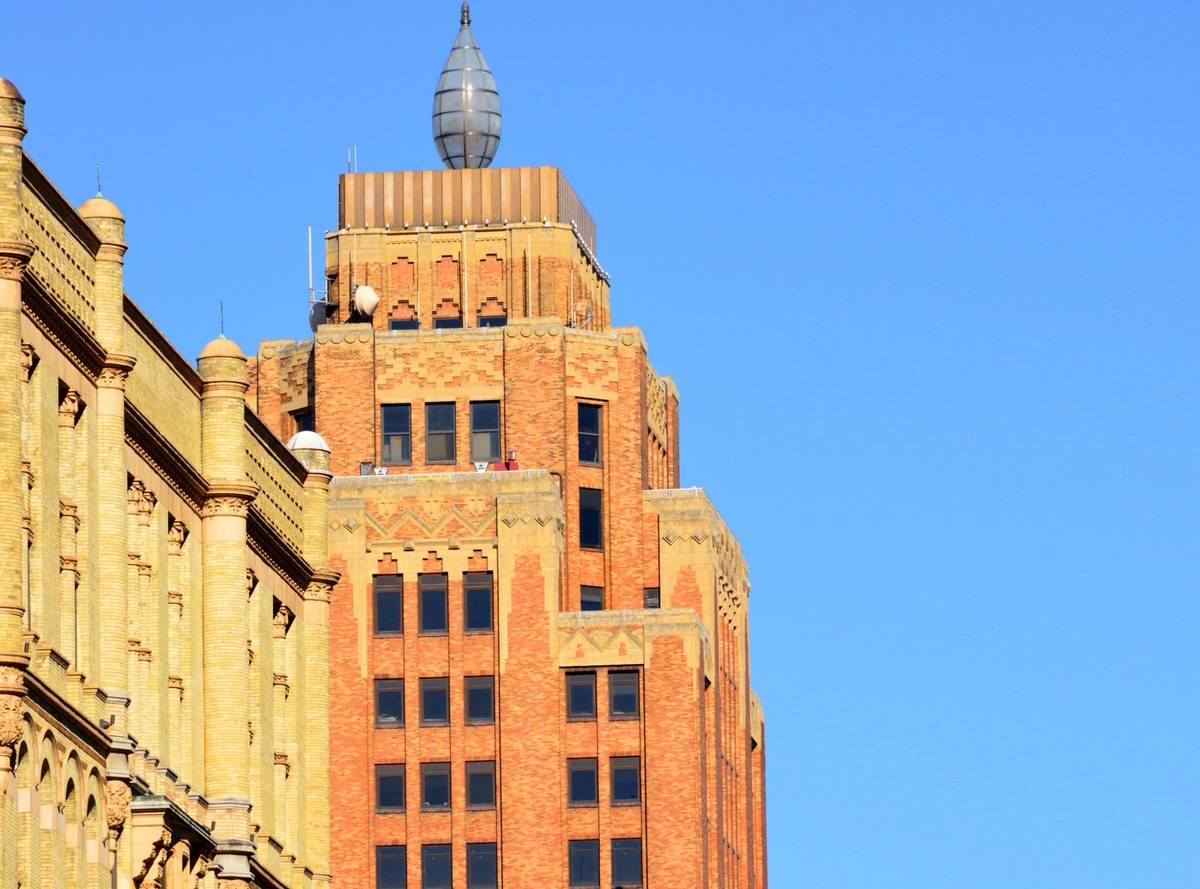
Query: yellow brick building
(164, 583)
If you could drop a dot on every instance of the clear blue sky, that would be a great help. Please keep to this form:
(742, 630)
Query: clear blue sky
(927, 282)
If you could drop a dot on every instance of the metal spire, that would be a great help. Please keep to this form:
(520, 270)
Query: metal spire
(466, 104)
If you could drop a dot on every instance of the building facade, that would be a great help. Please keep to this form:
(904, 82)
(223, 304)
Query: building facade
(164, 583)
(539, 656)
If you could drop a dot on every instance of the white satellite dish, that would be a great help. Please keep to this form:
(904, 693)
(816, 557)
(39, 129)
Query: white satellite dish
(366, 300)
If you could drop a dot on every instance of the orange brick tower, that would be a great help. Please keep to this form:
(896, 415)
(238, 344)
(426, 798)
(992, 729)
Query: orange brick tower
(539, 670)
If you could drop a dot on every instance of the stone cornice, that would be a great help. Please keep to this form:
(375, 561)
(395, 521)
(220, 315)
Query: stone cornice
(265, 542)
(63, 330)
(153, 447)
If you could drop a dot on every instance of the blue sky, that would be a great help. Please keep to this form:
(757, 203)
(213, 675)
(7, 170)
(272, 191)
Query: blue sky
(926, 277)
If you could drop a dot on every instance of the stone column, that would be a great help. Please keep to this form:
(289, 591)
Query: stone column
(313, 452)
(176, 744)
(68, 509)
(226, 672)
(14, 255)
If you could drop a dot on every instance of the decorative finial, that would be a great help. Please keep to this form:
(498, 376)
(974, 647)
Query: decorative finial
(466, 104)
(466, 13)
(99, 192)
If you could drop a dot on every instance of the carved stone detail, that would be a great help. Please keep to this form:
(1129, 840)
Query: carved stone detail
(117, 797)
(176, 535)
(281, 622)
(14, 256)
(151, 874)
(28, 360)
(226, 505)
(68, 409)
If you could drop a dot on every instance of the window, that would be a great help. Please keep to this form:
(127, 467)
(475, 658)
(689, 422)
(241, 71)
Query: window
(581, 782)
(452, 323)
(396, 422)
(477, 602)
(623, 695)
(389, 604)
(591, 598)
(481, 785)
(493, 320)
(435, 866)
(583, 863)
(435, 701)
(435, 785)
(403, 324)
(485, 431)
(391, 867)
(627, 863)
(480, 706)
(439, 433)
(651, 597)
(591, 524)
(626, 779)
(589, 434)
(581, 695)
(389, 788)
(389, 703)
(432, 588)
(303, 420)
(481, 866)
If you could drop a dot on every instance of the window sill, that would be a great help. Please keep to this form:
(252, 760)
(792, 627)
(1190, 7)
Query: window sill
(585, 463)
(386, 725)
(626, 803)
(491, 721)
(624, 717)
(591, 718)
(441, 723)
(488, 632)
(389, 634)
(435, 810)
(433, 632)
(441, 462)
(396, 465)
(481, 807)
(389, 811)
(592, 805)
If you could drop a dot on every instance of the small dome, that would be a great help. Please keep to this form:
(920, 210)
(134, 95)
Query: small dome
(100, 207)
(8, 90)
(222, 347)
(466, 105)
(307, 441)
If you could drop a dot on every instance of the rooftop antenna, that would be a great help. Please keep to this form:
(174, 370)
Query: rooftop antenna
(221, 311)
(99, 191)
(352, 159)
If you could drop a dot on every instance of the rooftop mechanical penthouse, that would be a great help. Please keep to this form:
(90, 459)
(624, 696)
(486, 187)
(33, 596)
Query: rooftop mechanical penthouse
(539, 644)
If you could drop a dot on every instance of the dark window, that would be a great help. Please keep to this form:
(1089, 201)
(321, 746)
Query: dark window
(396, 421)
(589, 434)
(403, 324)
(432, 603)
(435, 867)
(481, 866)
(481, 785)
(584, 863)
(626, 779)
(303, 420)
(389, 702)
(435, 785)
(627, 863)
(581, 782)
(651, 598)
(493, 320)
(485, 431)
(480, 706)
(389, 788)
(581, 695)
(389, 604)
(447, 323)
(439, 432)
(591, 598)
(591, 523)
(477, 602)
(435, 701)
(623, 695)
(391, 867)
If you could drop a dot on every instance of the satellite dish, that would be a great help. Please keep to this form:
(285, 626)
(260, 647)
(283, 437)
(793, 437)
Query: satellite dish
(366, 300)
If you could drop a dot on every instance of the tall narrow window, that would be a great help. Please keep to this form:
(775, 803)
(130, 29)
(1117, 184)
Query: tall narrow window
(389, 703)
(435, 785)
(303, 420)
(627, 863)
(581, 782)
(485, 431)
(435, 867)
(581, 695)
(589, 434)
(396, 422)
(480, 699)
(481, 785)
(583, 863)
(651, 597)
(626, 780)
(591, 521)
(435, 701)
(591, 598)
(389, 788)
(477, 602)
(389, 604)
(439, 432)
(481, 866)
(432, 604)
(623, 695)
(391, 867)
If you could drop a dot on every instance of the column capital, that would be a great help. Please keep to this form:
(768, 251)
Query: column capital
(14, 256)
(229, 498)
(115, 371)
